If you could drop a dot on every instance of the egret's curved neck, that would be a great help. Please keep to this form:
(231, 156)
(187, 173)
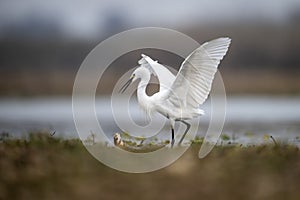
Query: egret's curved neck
(142, 96)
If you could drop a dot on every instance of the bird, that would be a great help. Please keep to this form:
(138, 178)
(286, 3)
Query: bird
(118, 140)
(179, 97)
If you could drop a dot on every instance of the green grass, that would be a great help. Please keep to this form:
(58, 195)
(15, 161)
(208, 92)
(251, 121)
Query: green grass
(225, 137)
(45, 167)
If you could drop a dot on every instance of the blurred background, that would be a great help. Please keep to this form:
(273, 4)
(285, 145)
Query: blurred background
(43, 43)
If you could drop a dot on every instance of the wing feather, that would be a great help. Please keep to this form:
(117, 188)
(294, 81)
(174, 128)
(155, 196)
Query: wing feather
(194, 79)
(165, 77)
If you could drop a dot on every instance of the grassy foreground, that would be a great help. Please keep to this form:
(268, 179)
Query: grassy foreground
(44, 167)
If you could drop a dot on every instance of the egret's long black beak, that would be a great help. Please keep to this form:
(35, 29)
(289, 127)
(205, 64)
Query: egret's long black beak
(125, 86)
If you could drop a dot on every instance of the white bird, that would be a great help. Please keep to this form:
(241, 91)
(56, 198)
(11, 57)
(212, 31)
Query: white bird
(180, 96)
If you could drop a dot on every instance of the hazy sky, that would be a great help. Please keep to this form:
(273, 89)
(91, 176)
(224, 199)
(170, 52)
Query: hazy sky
(83, 17)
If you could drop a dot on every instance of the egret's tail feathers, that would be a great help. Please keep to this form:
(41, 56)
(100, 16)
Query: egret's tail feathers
(198, 112)
(192, 113)
(201, 112)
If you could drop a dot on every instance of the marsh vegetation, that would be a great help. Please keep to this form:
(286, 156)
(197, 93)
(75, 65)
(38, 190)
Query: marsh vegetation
(45, 167)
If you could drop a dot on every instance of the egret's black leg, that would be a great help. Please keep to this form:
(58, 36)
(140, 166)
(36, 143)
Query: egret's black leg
(188, 126)
(173, 137)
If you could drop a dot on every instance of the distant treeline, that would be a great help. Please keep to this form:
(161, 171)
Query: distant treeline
(261, 59)
(254, 46)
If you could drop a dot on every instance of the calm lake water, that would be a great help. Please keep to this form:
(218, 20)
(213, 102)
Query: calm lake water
(248, 118)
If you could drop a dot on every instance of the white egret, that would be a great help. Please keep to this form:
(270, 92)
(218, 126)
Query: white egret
(180, 96)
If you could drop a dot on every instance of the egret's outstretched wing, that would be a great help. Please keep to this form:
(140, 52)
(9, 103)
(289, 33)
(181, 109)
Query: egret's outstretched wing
(194, 79)
(165, 77)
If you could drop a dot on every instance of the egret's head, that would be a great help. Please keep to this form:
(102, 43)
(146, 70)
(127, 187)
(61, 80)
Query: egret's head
(139, 73)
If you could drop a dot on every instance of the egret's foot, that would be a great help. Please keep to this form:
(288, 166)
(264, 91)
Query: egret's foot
(180, 141)
(172, 143)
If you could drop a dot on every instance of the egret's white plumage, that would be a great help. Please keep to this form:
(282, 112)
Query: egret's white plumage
(179, 96)
(165, 77)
